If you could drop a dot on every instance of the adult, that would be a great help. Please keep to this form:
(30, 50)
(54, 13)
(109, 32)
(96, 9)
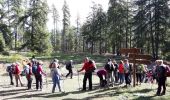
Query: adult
(56, 75)
(109, 67)
(161, 77)
(10, 70)
(28, 73)
(69, 67)
(102, 76)
(38, 75)
(116, 71)
(128, 70)
(139, 72)
(17, 73)
(121, 72)
(89, 67)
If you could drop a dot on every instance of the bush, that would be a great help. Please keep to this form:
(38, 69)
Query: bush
(5, 53)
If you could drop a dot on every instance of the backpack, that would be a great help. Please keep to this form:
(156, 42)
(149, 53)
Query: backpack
(51, 65)
(93, 68)
(9, 69)
(167, 71)
(109, 67)
(34, 69)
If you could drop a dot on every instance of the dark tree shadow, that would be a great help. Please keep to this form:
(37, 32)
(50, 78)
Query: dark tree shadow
(144, 98)
(28, 96)
(56, 95)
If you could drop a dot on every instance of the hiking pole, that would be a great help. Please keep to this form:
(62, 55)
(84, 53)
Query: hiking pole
(46, 80)
(63, 85)
(78, 81)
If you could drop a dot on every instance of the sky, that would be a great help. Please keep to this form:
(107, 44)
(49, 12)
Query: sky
(77, 7)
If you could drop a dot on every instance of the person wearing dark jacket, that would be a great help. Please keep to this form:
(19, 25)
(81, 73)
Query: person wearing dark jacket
(10, 70)
(69, 67)
(161, 77)
(89, 67)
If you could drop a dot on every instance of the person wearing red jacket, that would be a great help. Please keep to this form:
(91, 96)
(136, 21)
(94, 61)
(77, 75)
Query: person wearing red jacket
(17, 73)
(38, 75)
(89, 67)
(121, 72)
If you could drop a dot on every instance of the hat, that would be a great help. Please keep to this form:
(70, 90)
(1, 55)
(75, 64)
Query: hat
(109, 59)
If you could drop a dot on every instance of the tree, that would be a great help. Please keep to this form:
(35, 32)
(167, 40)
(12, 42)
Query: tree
(37, 36)
(66, 25)
(55, 35)
(156, 17)
(117, 24)
(4, 27)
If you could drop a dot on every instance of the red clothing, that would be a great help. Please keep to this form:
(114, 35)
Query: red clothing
(102, 72)
(39, 69)
(17, 70)
(121, 68)
(87, 67)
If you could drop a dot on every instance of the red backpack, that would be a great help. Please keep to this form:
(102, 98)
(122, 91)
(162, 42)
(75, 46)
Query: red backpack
(167, 71)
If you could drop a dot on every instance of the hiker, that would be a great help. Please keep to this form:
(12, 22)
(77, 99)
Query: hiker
(28, 73)
(115, 71)
(161, 77)
(139, 72)
(109, 67)
(56, 75)
(10, 70)
(121, 72)
(102, 76)
(89, 67)
(128, 70)
(17, 73)
(69, 67)
(38, 75)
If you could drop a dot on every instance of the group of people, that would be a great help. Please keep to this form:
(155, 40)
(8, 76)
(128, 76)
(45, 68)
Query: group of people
(30, 69)
(112, 73)
(123, 71)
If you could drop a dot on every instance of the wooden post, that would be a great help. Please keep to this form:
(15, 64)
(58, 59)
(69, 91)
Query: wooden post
(134, 71)
(136, 58)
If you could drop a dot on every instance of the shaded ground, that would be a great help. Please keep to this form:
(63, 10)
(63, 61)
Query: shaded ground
(71, 87)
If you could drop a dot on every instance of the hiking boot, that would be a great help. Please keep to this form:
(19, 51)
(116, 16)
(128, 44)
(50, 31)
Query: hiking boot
(163, 93)
(22, 85)
(158, 94)
(83, 90)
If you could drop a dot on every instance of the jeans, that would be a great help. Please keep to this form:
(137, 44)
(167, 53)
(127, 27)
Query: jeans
(121, 78)
(56, 81)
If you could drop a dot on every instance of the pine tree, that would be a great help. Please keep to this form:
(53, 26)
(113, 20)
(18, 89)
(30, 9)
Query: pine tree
(66, 25)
